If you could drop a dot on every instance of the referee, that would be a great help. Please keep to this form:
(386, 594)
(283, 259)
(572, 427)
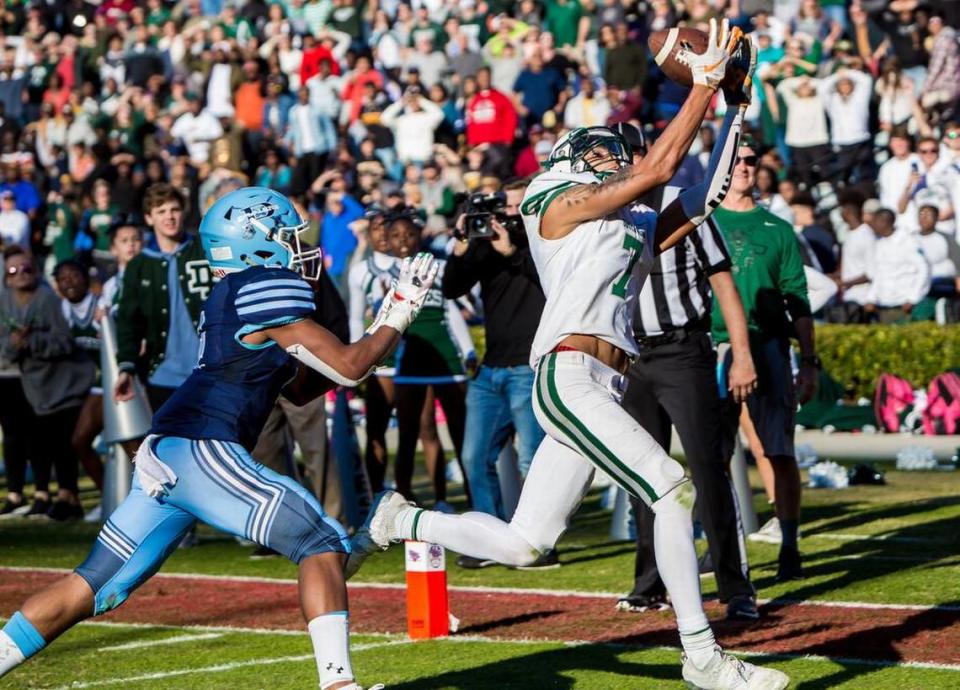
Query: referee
(673, 380)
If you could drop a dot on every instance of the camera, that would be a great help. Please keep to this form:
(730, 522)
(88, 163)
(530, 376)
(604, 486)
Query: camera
(479, 210)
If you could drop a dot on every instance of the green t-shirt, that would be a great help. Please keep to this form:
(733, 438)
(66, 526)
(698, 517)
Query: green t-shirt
(564, 21)
(767, 269)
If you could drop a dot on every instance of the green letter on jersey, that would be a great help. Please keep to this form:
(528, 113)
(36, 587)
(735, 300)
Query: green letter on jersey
(635, 245)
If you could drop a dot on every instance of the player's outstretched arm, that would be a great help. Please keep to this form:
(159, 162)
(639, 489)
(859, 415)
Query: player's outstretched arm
(584, 203)
(696, 203)
(348, 364)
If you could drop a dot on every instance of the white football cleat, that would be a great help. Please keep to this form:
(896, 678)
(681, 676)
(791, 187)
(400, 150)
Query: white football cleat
(381, 523)
(727, 672)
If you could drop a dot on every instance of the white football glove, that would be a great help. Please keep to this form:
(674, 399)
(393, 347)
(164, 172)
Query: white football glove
(403, 302)
(708, 68)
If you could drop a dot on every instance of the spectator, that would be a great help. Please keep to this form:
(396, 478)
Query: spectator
(895, 173)
(336, 238)
(197, 128)
(930, 182)
(768, 197)
(490, 115)
(161, 297)
(429, 62)
(856, 260)
(274, 173)
(311, 137)
(56, 378)
(819, 241)
(92, 239)
(940, 251)
(413, 121)
(942, 86)
(807, 134)
(586, 109)
(537, 90)
(899, 272)
(846, 98)
(563, 20)
(770, 279)
(14, 224)
(625, 61)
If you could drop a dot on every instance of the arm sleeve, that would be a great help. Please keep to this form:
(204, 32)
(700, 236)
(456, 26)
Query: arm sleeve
(273, 298)
(792, 280)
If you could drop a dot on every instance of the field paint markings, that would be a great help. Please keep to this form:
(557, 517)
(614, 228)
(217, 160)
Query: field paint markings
(161, 641)
(480, 589)
(878, 537)
(219, 668)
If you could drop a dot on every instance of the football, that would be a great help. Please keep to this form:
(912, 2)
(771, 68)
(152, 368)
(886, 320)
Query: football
(665, 44)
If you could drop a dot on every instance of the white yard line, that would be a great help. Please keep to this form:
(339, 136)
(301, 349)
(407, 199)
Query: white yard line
(219, 668)
(161, 641)
(500, 590)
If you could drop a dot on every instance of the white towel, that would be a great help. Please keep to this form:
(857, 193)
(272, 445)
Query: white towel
(155, 475)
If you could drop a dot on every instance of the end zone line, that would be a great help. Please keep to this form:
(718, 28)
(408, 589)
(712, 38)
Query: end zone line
(481, 589)
(161, 641)
(219, 668)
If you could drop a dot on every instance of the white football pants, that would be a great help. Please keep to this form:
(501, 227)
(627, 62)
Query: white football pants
(577, 401)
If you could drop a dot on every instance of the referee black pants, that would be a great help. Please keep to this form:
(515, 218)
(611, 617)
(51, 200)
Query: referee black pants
(676, 382)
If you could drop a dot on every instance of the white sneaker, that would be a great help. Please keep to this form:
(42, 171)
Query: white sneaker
(381, 523)
(770, 533)
(727, 672)
(95, 514)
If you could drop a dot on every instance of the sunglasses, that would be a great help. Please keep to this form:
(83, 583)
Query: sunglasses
(14, 270)
(926, 152)
(749, 161)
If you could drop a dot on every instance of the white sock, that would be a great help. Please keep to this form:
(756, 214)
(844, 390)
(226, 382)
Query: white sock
(474, 534)
(10, 654)
(330, 634)
(677, 563)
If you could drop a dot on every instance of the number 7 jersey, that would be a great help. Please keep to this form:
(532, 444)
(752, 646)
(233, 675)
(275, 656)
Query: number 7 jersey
(592, 277)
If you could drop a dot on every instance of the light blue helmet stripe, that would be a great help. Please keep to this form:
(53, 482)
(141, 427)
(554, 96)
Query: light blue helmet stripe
(305, 293)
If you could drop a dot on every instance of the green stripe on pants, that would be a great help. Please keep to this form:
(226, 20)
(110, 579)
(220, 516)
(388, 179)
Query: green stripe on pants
(572, 419)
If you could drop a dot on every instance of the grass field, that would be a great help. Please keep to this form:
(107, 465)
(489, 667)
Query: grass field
(893, 548)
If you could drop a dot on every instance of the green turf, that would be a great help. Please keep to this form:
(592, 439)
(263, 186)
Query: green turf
(917, 561)
(279, 662)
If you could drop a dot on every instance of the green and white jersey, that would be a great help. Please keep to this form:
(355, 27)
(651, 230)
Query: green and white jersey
(84, 328)
(433, 348)
(592, 277)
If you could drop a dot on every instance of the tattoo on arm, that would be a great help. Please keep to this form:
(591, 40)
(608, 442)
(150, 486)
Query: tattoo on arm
(578, 195)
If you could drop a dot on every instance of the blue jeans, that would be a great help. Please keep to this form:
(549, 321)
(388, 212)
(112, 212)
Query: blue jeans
(499, 403)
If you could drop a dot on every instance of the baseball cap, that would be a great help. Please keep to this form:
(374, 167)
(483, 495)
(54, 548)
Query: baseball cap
(7, 194)
(872, 206)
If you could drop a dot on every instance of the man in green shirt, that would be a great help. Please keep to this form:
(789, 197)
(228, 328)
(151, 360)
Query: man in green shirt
(768, 272)
(563, 20)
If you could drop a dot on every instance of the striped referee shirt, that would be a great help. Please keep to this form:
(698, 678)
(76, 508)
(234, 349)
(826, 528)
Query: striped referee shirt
(677, 293)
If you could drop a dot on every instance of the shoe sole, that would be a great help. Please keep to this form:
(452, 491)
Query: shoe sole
(552, 566)
(478, 566)
(629, 608)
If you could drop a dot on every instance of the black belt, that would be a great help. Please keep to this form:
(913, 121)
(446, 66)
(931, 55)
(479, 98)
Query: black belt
(677, 335)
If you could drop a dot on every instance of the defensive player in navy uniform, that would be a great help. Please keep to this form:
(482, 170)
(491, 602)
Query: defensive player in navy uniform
(256, 341)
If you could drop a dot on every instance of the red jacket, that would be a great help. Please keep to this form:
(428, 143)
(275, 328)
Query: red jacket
(491, 119)
(311, 62)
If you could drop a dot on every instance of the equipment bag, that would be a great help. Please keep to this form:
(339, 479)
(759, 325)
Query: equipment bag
(892, 402)
(942, 415)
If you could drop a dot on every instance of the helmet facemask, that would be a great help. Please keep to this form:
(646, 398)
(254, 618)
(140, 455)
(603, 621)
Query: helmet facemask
(303, 259)
(581, 142)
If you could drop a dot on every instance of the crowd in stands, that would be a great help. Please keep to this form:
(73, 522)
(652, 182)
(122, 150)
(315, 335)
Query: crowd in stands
(348, 105)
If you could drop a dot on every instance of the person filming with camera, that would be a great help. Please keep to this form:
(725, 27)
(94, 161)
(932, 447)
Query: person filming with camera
(492, 249)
